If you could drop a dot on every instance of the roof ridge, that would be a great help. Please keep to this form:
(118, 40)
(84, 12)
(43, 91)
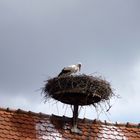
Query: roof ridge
(127, 124)
(96, 121)
(40, 114)
(24, 112)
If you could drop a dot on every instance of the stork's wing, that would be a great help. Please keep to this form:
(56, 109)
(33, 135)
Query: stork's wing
(65, 71)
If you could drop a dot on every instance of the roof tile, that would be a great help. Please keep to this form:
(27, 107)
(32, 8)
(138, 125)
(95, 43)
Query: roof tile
(19, 124)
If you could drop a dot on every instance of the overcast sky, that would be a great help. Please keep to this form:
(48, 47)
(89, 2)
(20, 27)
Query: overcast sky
(39, 38)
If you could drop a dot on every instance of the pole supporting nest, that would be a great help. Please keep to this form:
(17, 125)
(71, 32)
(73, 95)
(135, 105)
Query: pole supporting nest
(75, 120)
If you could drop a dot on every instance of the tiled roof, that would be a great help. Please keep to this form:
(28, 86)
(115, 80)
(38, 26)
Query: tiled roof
(22, 125)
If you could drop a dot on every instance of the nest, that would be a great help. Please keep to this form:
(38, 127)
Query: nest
(78, 90)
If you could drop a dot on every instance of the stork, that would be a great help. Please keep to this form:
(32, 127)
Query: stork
(66, 71)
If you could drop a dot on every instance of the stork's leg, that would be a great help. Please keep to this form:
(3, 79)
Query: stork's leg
(75, 119)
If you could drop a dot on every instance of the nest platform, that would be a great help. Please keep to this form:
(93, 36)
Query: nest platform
(78, 89)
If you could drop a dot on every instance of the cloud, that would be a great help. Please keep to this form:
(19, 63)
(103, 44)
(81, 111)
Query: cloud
(37, 39)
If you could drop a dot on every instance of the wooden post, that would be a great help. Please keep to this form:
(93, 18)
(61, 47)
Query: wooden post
(75, 116)
(74, 120)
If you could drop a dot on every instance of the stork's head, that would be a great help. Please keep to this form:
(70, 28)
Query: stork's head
(79, 65)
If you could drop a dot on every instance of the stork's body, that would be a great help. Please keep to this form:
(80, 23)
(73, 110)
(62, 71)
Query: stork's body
(70, 70)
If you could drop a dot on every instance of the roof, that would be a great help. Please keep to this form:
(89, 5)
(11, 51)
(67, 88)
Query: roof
(23, 125)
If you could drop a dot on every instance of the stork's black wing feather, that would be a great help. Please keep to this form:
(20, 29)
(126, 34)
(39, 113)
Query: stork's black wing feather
(64, 71)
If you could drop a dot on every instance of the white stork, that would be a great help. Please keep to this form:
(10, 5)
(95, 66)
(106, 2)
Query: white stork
(70, 70)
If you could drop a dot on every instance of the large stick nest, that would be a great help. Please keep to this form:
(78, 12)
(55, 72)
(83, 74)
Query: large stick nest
(79, 89)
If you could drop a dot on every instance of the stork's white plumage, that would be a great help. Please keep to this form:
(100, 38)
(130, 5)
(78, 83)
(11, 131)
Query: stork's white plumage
(70, 70)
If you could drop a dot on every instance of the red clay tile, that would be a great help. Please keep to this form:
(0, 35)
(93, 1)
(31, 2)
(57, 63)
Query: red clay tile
(92, 134)
(19, 124)
(86, 133)
(96, 130)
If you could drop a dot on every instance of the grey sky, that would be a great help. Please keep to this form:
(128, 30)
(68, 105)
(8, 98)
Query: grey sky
(39, 38)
